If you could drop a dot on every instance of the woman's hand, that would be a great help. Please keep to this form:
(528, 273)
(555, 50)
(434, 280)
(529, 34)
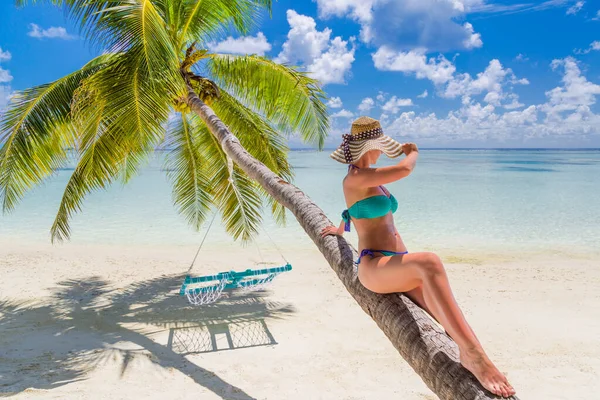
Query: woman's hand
(330, 230)
(408, 148)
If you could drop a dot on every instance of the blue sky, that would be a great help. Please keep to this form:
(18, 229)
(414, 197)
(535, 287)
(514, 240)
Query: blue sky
(441, 73)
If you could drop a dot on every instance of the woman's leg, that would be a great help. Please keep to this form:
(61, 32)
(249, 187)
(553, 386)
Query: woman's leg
(416, 296)
(405, 273)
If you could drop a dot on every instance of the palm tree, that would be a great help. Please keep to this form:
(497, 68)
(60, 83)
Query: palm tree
(116, 109)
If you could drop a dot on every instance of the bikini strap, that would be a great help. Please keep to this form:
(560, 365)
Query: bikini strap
(385, 191)
(346, 218)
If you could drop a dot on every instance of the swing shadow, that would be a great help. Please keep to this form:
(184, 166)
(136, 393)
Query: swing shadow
(87, 323)
(220, 337)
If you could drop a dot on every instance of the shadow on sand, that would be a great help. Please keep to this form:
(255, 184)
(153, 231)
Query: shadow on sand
(86, 322)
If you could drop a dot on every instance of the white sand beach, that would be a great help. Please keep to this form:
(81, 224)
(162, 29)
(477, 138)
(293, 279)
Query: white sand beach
(91, 322)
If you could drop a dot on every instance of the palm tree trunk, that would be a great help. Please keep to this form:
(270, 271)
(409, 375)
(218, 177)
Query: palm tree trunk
(428, 350)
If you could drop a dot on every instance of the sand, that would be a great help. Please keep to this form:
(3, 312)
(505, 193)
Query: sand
(93, 322)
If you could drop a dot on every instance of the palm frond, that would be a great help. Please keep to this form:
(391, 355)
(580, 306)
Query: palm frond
(287, 97)
(35, 132)
(135, 105)
(136, 27)
(120, 117)
(102, 155)
(206, 20)
(255, 133)
(278, 211)
(260, 139)
(187, 170)
(235, 194)
(172, 13)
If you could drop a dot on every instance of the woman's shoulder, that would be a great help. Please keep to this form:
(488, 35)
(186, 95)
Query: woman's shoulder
(355, 177)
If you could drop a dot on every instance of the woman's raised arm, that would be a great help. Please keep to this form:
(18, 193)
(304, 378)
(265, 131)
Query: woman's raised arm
(371, 177)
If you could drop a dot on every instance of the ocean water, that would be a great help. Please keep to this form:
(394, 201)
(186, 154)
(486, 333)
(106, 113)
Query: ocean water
(455, 201)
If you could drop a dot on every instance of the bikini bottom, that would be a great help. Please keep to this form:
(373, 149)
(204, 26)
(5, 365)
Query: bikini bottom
(369, 252)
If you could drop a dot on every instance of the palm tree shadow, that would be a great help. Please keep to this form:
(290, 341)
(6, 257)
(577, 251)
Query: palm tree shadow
(87, 323)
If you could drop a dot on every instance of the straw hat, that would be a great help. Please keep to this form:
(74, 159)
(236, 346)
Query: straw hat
(366, 134)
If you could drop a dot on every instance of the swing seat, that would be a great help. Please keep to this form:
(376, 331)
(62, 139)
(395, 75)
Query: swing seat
(207, 289)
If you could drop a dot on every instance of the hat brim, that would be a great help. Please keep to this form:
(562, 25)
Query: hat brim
(386, 144)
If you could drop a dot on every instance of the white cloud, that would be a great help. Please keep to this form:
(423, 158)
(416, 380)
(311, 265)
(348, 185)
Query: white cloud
(358, 9)
(328, 60)
(473, 41)
(493, 98)
(516, 81)
(333, 65)
(5, 94)
(243, 45)
(55, 32)
(343, 114)
(366, 105)
(594, 46)
(438, 70)
(567, 112)
(335, 102)
(406, 24)
(514, 103)
(423, 95)
(575, 8)
(5, 55)
(5, 76)
(476, 112)
(489, 82)
(521, 57)
(576, 93)
(506, 9)
(393, 105)
(519, 118)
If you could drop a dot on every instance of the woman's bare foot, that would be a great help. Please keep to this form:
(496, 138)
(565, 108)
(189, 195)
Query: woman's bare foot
(476, 361)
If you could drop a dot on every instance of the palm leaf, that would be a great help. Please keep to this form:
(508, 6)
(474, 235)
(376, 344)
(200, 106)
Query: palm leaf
(260, 139)
(120, 117)
(102, 156)
(206, 20)
(285, 96)
(236, 195)
(35, 130)
(187, 171)
(136, 27)
(134, 105)
(256, 135)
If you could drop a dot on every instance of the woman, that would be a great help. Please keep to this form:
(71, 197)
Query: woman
(385, 266)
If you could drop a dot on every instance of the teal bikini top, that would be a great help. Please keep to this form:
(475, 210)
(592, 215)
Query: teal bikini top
(370, 207)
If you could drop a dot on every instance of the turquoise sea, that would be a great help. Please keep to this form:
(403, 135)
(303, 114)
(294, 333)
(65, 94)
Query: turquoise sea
(456, 201)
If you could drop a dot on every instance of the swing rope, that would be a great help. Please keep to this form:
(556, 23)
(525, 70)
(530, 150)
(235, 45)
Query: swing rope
(207, 289)
(203, 293)
(201, 243)
(275, 245)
